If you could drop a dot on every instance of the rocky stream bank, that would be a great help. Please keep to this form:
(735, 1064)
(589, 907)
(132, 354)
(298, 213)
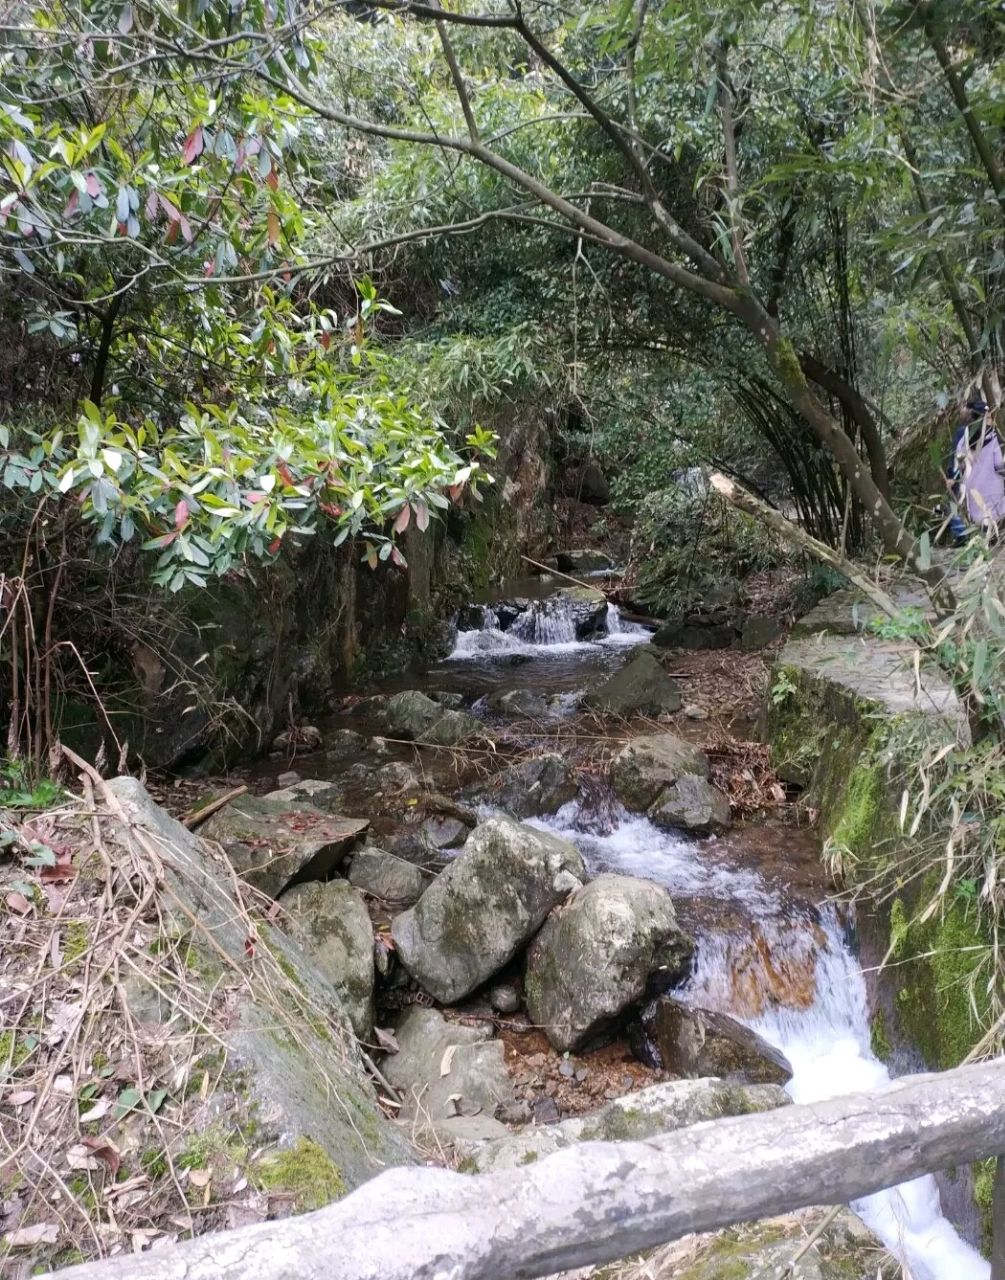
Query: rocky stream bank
(556, 894)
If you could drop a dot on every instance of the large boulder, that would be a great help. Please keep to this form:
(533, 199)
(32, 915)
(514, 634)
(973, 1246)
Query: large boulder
(645, 766)
(452, 1077)
(699, 1042)
(520, 702)
(273, 842)
(332, 925)
(585, 561)
(479, 912)
(660, 1108)
(594, 959)
(641, 687)
(695, 635)
(692, 803)
(384, 875)
(412, 715)
(529, 788)
(287, 1047)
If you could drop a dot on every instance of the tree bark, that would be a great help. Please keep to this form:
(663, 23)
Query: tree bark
(599, 1201)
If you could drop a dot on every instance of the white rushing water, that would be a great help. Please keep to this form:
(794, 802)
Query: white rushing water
(545, 628)
(826, 1042)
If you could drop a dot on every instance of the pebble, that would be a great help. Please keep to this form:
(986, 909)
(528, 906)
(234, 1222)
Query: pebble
(694, 712)
(566, 1069)
(288, 779)
(581, 1075)
(628, 1082)
(545, 1110)
(504, 998)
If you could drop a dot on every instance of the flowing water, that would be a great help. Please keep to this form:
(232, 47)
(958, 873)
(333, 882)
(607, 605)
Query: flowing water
(777, 963)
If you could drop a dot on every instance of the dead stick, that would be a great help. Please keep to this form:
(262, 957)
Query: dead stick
(197, 816)
(559, 574)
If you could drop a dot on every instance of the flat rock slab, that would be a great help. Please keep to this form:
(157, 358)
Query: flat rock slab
(644, 1114)
(848, 613)
(272, 843)
(877, 671)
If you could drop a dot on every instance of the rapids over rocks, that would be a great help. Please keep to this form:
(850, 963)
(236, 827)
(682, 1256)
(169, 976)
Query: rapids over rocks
(775, 961)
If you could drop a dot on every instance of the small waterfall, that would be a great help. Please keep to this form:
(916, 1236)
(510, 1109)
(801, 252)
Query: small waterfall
(790, 975)
(540, 628)
(546, 622)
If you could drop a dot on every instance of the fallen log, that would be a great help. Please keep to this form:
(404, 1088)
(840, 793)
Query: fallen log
(600, 1201)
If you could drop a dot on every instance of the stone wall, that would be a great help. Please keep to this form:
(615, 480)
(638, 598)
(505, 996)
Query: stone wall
(848, 717)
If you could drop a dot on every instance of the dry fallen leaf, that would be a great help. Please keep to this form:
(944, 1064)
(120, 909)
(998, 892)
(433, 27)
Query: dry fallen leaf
(19, 1097)
(104, 1149)
(100, 1108)
(18, 902)
(447, 1059)
(27, 1237)
(200, 1177)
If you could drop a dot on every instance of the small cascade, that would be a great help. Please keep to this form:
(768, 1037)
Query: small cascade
(541, 628)
(788, 973)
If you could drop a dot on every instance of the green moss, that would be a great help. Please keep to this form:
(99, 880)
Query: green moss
(76, 941)
(879, 1036)
(13, 1052)
(467, 1165)
(305, 1171)
(939, 959)
(154, 1163)
(860, 819)
(984, 1181)
(528, 1157)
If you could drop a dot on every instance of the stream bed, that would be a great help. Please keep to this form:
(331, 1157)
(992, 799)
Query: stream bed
(771, 950)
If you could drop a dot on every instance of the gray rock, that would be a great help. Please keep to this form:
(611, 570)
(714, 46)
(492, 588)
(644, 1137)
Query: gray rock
(685, 635)
(694, 712)
(645, 1113)
(346, 743)
(585, 561)
(452, 1077)
(641, 687)
(505, 998)
(332, 925)
(386, 876)
(414, 716)
(519, 702)
(478, 913)
(288, 779)
(645, 766)
(315, 791)
(271, 842)
(447, 699)
(698, 1042)
(453, 728)
(303, 738)
(693, 804)
(380, 746)
(440, 831)
(395, 776)
(757, 633)
(529, 788)
(289, 1045)
(594, 958)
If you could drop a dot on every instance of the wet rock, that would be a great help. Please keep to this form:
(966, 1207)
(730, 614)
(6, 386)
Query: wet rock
(519, 702)
(585, 561)
(587, 607)
(380, 746)
(271, 842)
(693, 804)
(686, 635)
(345, 743)
(452, 1077)
(450, 701)
(411, 714)
(758, 633)
(645, 1113)
(594, 958)
(332, 925)
(441, 832)
(384, 875)
(300, 739)
(315, 791)
(586, 483)
(478, 913)
(697, 1042)
(471, 618)
(647, 765)
(641, 687)
(395, 776)
(528, 788)
(505, 998)
(453, 728)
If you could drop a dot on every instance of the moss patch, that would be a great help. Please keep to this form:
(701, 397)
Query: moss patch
(306, 1172)
(879, 1037)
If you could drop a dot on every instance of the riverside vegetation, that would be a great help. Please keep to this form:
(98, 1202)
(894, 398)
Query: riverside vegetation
(325, 327)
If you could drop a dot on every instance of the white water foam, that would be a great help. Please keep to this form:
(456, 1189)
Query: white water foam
(543, 630)
(826, 1043)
